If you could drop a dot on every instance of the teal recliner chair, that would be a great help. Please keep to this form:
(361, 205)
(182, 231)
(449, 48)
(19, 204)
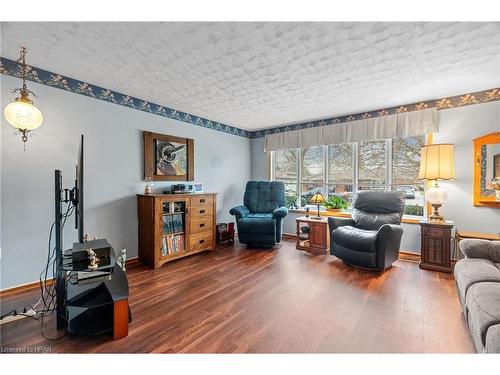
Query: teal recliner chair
(260, 219)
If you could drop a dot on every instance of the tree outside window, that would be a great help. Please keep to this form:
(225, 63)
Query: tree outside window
(340, 170)
(285, 169)
(405, 167)
(312, 167)
(372, 165)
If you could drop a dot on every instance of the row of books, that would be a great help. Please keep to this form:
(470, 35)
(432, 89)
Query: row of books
(173, 207)
(172, 245)
(173, 223)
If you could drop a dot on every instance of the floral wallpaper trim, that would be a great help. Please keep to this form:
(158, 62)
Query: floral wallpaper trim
(479, 97)
(12, 68)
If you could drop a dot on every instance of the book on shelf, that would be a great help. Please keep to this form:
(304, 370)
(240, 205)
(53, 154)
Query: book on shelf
(168, 225)
(178, 223)
(173, 245)
(164, 248)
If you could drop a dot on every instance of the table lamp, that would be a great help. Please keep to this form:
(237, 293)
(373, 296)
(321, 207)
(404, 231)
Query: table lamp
(436, 163)
(317, 199)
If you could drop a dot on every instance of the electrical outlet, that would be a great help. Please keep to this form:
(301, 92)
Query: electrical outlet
(13, 318)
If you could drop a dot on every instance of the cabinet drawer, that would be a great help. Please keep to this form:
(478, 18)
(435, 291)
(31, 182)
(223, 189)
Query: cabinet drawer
(200, 212)
(434, 232)
(200, 241)
(204, 224)
(202, 200)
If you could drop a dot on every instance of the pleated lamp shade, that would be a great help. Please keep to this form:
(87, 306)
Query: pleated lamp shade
(437, 162)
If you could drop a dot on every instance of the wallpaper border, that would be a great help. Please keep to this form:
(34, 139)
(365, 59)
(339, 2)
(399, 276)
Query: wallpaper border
(34, 74)
(12, 68)
(456, 101)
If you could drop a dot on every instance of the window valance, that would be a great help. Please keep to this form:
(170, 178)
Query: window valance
(399, 125)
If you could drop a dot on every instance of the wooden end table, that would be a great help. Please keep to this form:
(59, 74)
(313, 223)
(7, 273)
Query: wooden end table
(436, 245)
(317, 239)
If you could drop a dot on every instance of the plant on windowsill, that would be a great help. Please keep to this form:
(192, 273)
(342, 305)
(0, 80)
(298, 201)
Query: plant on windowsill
(335, 203)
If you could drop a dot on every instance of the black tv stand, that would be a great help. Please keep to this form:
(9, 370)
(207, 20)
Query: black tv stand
(95, 301)
(89, 300)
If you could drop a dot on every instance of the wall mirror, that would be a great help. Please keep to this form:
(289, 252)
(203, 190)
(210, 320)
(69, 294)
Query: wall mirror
(487, 170)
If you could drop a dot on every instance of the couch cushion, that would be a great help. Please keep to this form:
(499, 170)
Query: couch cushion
(493, 339)
(355, 238)
(475, 248)
(257, 223)
(473, 270)
(372, 209)
(483, 304)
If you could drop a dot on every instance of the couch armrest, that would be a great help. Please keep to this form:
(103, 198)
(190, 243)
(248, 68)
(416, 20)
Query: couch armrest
(474, 248)
(388, 243)
(335, 222)
(239, 211)
(280, 212)
(389, 233)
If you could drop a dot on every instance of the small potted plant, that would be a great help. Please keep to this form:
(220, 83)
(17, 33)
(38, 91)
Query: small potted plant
(336, 203)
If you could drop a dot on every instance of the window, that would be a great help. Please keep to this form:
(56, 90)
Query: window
(372, 165)
(390, 164)
(405, 166)
(312, 177)
(340, 169)
(286, 170)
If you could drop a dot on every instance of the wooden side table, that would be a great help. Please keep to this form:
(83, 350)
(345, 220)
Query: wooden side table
(317, 238)
(436, 245)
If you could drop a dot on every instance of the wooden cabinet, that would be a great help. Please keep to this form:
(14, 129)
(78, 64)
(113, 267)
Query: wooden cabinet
(315, 236)
(436, 245)
(172, 226)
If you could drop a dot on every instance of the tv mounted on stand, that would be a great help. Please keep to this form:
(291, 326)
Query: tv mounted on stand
(72, 196)
(93, 262)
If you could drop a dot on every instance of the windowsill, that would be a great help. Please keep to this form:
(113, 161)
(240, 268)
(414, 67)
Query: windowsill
(406, 219)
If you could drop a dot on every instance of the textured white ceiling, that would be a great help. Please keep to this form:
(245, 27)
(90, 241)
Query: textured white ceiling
(262, 75)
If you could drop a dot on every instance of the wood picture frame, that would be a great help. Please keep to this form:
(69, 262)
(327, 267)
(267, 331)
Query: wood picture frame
(168, 158)
(479, 143)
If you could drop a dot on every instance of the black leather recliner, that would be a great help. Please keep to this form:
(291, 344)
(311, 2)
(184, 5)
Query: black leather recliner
(371, 239)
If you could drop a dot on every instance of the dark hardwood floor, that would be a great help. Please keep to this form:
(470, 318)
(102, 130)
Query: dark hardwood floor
(239, 300)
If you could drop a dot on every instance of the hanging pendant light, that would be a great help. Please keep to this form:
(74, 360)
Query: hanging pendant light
(21, 113)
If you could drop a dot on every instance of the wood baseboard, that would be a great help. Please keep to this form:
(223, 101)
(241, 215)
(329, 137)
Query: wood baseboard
(132, 262)
(409, 256)
(22, 288)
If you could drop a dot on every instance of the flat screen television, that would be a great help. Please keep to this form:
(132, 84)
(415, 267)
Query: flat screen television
(78, 195)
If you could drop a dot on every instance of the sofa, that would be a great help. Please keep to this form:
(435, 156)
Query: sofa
(478, 282)
(260, 219)
(371, 238)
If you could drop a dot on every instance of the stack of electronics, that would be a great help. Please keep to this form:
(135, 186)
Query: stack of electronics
(181, 189)
(90, 260)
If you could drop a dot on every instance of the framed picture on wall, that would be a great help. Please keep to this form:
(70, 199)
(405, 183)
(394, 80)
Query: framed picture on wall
(168, 158)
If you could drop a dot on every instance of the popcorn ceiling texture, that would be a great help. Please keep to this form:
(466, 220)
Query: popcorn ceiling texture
(261, 75)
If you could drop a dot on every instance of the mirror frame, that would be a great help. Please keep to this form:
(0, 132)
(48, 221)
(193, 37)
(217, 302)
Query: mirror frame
(480, 200)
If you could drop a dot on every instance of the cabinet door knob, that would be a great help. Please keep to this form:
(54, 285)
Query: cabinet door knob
(201, 241)
(202, 200)
(202, 211)
(202, 225)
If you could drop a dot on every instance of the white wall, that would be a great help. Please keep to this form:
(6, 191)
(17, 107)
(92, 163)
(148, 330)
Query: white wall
(459, 126)
(113, 172)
